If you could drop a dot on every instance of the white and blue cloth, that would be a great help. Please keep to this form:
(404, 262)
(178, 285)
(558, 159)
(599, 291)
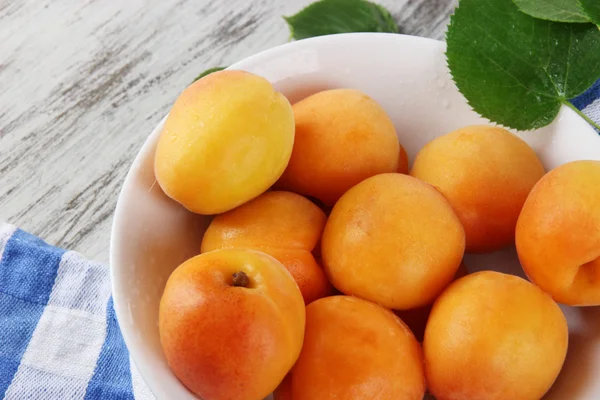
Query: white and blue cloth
(59, 337)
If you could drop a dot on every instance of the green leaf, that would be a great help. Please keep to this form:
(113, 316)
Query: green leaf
(327, 17)
(553, 10)
(514, 69)
(592, 9)
(209, 71)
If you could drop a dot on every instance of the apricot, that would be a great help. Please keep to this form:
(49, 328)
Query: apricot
(354, 349)
(416, 318)
(227, 139)
(342, 137)
(493, 336)
(231, 324)
(558, 235)
(282, 224)
(486, 174)
(306, 271)
(394, 240)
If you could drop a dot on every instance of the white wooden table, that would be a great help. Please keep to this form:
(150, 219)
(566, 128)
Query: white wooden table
(83, 83)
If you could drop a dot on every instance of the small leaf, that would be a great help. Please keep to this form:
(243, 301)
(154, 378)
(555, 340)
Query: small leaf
(553, 10)
(328, 17)
(209, 71)
(592, 9)
(514, 69)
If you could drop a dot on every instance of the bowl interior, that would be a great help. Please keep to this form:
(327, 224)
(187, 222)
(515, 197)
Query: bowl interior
(408, 76)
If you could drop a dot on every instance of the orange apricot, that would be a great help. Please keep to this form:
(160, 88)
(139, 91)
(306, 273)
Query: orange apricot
(355, 349)
(342, 137)
(282, 224)
(486, 174)
(306, 270)
(227, 139)
(231, 324)
(493, 336)
(558, 233)
(393, 240)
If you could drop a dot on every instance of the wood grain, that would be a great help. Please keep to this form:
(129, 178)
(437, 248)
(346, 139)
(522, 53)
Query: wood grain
(82, 84)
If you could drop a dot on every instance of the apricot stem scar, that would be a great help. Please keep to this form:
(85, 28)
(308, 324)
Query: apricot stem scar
(241, 279)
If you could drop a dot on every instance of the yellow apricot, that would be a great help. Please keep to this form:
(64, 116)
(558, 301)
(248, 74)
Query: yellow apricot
(227, 139)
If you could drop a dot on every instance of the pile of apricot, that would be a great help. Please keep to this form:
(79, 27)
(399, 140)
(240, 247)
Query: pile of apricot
(329, 271)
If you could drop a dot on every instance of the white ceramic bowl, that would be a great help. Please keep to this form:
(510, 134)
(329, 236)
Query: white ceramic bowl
(408, 76)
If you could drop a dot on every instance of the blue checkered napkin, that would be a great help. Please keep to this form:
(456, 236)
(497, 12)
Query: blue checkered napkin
(59, 338)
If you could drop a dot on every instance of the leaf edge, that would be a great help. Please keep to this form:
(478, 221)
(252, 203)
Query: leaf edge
(580, 21)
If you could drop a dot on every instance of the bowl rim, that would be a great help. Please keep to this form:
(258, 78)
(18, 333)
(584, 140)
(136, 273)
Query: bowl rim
(119, 211)
(120, 307)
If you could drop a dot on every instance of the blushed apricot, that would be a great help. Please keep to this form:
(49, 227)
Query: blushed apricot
(282, 224)
(227, 139)
(493, 336)
(486, 174)
(231, 324)
(394, 240)
(354, 349)
(342, 137)
(558, 233)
